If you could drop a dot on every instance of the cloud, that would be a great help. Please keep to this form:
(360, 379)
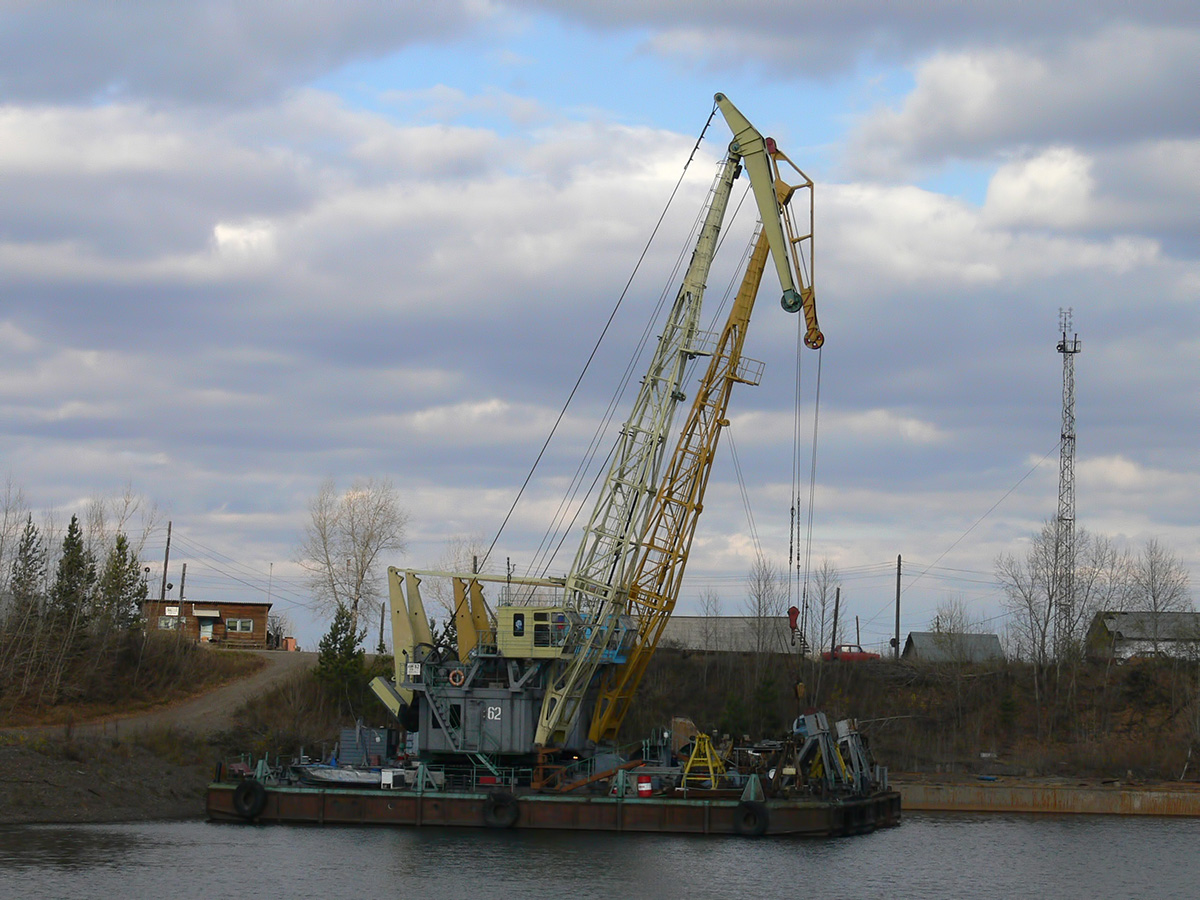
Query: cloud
(910, 236)
(1052, 189)
(814, 38)
(206, 51)
(881, 427)
(1096, 90)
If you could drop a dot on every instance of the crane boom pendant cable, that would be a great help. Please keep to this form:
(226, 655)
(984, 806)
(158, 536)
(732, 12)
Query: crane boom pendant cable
(562, 413)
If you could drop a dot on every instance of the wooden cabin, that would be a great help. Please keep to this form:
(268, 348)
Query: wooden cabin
(238, 623)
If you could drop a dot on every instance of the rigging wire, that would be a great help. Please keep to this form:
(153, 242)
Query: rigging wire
(241, 573)
(602, 427)
(610, 413)
(604, 331)
(978, 521)
(741, 482)
(1037, 465)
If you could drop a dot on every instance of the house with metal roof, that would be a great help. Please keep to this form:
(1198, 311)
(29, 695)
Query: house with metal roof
(952, 647)
(1122, 635)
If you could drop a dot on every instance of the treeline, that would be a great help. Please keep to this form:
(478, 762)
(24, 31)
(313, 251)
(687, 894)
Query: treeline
(63, 632)
(1092, 719)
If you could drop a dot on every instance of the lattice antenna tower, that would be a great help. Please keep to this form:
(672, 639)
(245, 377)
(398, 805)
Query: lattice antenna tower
(1064, 536)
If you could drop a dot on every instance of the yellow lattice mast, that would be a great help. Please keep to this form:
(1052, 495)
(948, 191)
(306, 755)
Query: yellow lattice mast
(677, 506)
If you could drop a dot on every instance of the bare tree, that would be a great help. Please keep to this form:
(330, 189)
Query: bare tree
(764, 606)
(952, 620)
(1160, 585)
(462, 554)
(344, 540)
(1104, 580)
(826, 581)
(1028, 584)
(128, 513)
(13, 511)
(710, 615)
(279, 626)
(1101, 581)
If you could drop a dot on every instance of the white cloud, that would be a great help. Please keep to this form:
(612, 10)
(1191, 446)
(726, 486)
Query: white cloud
(909, 236)
(1123, 82)
(244, 241)
(1052, 189)
(885, 425)
(35, 140)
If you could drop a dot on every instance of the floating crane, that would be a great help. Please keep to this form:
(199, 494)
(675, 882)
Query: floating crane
(526, 671)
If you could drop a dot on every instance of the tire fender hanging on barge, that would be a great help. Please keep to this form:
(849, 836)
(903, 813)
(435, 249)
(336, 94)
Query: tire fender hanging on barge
(501, 810)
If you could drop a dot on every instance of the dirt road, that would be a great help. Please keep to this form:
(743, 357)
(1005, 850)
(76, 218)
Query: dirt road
(210, 712)
(203, 714)
(100, 775)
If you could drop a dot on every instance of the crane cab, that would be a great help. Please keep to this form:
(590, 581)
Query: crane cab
(533, 632)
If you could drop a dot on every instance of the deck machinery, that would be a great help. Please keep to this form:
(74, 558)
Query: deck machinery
(550, 666)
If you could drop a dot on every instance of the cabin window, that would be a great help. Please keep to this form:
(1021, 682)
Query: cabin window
(245, 626)
(167, 623)
(518, 624)
(541, 635)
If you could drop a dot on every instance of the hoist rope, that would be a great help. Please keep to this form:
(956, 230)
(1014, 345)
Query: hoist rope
(800, 544)
(812, 475)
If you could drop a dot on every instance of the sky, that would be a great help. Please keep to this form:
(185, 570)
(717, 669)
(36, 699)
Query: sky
(246, 247)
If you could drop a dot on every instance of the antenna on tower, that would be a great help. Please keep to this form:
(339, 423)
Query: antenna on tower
(1064, 533)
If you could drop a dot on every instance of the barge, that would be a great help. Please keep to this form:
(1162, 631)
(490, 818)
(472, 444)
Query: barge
(821, 782)
(294, 804)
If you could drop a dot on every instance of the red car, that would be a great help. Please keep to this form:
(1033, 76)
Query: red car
(848, 653)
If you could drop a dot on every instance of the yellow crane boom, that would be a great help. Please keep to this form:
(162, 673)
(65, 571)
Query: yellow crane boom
(598, 584)
(680, 499)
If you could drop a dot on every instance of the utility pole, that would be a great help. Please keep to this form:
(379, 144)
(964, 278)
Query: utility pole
(166, 559)
(897, 638)
(837, 602)
(1064, 534)
(182, 580)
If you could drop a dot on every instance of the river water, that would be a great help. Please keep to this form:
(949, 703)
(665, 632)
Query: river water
(929, 856)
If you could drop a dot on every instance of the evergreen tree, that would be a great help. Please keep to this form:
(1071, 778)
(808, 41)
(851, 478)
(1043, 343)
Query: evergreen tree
(28, 571)
(339, 658)
(71, 593)
(121, 590)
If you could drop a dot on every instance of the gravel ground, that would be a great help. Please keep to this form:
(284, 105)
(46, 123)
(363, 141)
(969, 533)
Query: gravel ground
(95, 773)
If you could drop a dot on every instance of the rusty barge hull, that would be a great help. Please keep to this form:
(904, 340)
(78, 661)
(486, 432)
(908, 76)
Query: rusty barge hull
(1058, 799)
(660, 815)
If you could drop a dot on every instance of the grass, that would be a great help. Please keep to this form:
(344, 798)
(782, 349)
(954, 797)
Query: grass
(161, 673)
